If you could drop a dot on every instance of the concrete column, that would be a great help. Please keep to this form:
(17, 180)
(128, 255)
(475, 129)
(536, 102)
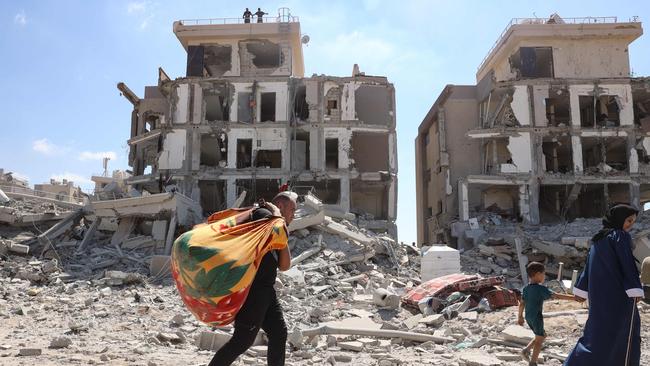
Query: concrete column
(524, 203)
(576, 149)
(231, 191)
(345, 194)
(574, 102)
(533, 201)
(463, 201)
(635, 195)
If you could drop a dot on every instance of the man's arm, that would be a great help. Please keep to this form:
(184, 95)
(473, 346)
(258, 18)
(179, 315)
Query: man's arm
(284, 259)
(520, 319)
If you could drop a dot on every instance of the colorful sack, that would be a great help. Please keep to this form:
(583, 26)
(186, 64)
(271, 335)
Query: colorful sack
(214, 264)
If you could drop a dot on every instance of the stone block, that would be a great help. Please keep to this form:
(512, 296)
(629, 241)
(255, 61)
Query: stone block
(30, 352)
(435, 320)
(355, 346)
(307, 221)
(517, 334)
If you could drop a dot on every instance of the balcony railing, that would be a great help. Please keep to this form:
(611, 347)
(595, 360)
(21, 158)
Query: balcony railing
(552, 21)
(253, 20)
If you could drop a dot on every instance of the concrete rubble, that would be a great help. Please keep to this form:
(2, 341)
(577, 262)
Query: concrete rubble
(344, 299)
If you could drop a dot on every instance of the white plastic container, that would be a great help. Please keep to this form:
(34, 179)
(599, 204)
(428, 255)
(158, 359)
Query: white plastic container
(438, 261)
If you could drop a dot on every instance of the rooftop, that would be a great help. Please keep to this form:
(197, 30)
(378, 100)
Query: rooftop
(558, 26)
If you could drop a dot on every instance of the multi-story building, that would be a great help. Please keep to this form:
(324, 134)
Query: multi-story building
(64, 190)
(556, 128)
(245, 118)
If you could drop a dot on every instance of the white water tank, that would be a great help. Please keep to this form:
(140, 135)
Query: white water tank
(438, 261)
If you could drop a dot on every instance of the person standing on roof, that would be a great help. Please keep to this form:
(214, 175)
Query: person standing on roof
(260, 14)
(247, 16)
(261, 308)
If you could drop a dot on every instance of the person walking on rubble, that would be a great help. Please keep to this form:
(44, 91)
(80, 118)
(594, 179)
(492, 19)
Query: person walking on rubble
(532, 300)
(610, 280)
(247, 16)
(261, 308)
(260, 14)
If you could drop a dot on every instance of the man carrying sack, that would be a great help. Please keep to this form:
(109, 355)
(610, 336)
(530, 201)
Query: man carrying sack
(261, 308)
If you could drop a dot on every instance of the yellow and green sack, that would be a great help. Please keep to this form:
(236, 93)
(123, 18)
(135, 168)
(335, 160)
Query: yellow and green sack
(215, 263)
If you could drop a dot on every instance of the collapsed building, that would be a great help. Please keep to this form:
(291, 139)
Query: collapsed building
(555, 129)
(245, 119)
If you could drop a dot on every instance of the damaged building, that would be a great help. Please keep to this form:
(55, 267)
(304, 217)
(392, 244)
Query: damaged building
(244, 118)
(555, 129)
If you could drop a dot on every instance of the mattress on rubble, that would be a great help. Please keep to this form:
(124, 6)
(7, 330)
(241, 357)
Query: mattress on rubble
(442, 287)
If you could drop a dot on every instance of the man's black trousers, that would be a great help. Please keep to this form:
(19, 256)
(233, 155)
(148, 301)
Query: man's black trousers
(260, 310)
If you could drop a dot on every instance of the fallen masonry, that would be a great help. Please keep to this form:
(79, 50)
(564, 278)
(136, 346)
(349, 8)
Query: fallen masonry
(352, 295)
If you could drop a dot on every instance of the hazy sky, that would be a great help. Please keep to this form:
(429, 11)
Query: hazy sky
(61, 60)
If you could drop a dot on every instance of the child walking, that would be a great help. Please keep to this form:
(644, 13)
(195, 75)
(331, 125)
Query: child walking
(532, 301)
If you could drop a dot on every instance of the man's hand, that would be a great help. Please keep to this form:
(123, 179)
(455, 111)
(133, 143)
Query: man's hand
(520, 320)
(273, 208)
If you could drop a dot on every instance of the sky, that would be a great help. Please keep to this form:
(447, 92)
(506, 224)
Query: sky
(61, 61)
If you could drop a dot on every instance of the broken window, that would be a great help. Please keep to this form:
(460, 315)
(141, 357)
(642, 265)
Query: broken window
(265, 54)
(213, 196)
(497, 157)
(332, 111)
(152, 122)
(641, 98)
(558, 154)
(604, 156)
(256, 189)
(244, 153)
(267, 107)
(552, 202)
(601, 111)
(327, 190)
(217, 59)
(332, 106)
(300, 151)
(213, 149)
(300, 106)
(369, 199)
(269, 159)
(216, 107)
(533, 62)
(501, 200)
(244, 106)
(373, 104)
(591, 202)
(558, 108)
(331, 153)
(370, 151)
(195, 61)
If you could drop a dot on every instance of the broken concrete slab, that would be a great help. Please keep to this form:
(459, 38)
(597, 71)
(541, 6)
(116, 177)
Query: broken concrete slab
(307, 221)
(479, 359)
(434, 320)
(517, 334)
(333, 227)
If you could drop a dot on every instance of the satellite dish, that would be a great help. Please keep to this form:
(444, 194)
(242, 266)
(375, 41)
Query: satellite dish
(305, 39)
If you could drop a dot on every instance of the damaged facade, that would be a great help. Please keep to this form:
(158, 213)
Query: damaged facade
(244, 118)
(555, 129)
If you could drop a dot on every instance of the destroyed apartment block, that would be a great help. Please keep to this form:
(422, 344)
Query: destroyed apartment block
(557, 135)
(244, 118)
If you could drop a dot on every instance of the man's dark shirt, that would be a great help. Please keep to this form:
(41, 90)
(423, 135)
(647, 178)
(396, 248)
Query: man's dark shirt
(268, 270)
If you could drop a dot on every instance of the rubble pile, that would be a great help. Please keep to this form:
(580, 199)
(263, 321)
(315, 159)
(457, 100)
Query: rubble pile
(490, 245)
(351, 296)
(23, 212)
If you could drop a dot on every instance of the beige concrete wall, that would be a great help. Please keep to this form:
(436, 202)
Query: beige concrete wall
(584, 58)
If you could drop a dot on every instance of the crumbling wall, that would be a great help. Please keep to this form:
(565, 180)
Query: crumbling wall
(272, 139)
(344, 136)
(173, 154)
(181, 99)
(281, 91)
(622, 92)
(259, 57)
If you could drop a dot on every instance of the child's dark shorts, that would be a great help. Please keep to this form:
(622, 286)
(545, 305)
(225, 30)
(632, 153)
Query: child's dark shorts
(537, 326)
